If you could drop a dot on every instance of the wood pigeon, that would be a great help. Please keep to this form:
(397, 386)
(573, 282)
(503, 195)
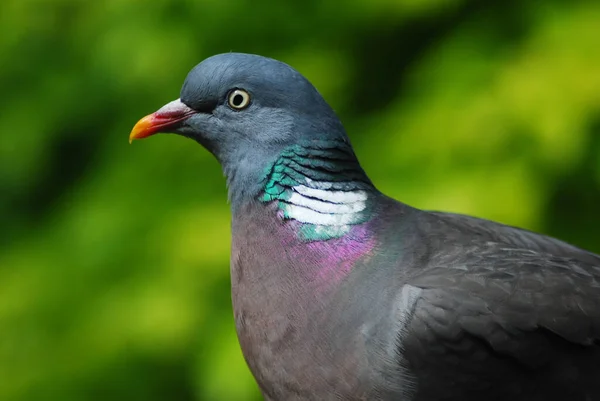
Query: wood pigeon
(342, 293)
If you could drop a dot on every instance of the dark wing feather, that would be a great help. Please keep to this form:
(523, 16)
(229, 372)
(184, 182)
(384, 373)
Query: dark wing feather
(516, 237)
(499, 323)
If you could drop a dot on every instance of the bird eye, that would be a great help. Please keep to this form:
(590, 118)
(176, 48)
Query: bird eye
(239, 99)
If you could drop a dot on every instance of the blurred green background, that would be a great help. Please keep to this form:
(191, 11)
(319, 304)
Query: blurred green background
(114, 270)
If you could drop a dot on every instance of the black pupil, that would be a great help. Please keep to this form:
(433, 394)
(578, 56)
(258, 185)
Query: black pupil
(237, 100)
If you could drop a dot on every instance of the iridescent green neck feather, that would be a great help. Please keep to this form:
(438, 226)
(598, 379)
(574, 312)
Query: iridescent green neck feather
(319, 184)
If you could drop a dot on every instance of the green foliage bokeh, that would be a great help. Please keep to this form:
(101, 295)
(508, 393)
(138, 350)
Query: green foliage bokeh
(114, 277)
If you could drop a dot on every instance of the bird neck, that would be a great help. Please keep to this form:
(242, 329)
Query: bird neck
(319, 185)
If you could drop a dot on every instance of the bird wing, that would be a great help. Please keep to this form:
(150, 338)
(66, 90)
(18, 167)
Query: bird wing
(483, 317)
(515, 237)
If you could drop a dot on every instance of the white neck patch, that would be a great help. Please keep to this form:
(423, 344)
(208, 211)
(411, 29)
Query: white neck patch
(324, 207)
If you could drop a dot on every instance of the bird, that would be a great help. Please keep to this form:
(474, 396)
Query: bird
(340, 292)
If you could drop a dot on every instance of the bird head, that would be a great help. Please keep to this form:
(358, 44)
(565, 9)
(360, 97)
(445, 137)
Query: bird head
(244, 109)
(237, 103)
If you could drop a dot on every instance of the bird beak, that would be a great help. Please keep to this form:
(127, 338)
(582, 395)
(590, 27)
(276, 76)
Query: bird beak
(165, 119)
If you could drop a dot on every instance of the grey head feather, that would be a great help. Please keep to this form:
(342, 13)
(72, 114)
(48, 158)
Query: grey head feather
(284, 109)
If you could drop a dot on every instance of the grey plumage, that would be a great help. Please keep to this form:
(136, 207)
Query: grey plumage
(341, 293)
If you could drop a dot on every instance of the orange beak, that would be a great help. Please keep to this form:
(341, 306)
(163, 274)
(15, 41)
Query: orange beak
(167, 118)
